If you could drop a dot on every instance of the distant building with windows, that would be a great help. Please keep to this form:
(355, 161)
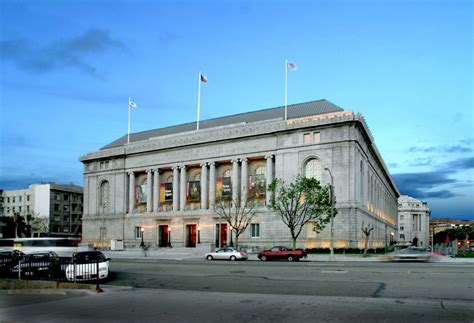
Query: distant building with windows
(164, 184)
(413, 221)
(49, 209)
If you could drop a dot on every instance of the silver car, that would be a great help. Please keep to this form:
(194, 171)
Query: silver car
(227, 253)
(412, 254)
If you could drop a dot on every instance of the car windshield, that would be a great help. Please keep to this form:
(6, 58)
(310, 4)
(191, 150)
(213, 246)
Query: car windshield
(88, 257)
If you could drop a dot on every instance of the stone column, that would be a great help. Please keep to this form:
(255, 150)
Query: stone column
(156, 190)
(175, 188)
(212, 184)
(182, 191)
(244, 180)
(204, 186)
(148, 190)
(235, 182)
(269, 177)
(131, 192)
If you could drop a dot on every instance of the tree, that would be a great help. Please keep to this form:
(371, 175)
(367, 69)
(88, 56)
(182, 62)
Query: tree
(238, 216)
(39, 224)
(366, 230)
(300, 202)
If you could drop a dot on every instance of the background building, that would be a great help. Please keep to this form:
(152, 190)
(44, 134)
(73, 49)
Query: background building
(50, 209)
(413, 221)
(167, 181)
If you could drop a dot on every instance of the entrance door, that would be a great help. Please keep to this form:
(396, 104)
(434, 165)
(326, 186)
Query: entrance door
(223, 235)
(191, 235)
(163, 236)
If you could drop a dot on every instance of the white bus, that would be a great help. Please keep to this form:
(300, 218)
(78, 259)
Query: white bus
(62, 246)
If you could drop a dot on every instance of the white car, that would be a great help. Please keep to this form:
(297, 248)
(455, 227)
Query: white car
(227, 253)
(84, 266)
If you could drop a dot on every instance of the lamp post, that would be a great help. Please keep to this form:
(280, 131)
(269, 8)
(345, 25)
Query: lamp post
(231, 242)
(199, 235)
(169, 237)
(142, 244)
(331, 255)
(391, 238)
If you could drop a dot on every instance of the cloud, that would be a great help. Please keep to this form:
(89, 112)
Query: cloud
(393, 165)
(419, 185)
(461, 164)
(441, 149)
(60, 54)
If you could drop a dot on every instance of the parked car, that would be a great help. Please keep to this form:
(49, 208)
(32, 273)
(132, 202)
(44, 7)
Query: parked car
(84, 266)
(8, 259)
(227, 253)
(38, 265)
(279, 252)
(412, 254)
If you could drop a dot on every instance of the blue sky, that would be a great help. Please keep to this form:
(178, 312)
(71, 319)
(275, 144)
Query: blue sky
(68, 68)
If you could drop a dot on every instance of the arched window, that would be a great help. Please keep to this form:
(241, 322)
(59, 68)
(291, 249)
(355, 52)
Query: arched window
(104, 195)
(258, 183)
(312, 169)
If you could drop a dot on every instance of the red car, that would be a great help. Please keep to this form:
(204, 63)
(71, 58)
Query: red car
(279, 252)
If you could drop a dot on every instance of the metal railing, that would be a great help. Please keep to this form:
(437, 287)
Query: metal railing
(60, 269)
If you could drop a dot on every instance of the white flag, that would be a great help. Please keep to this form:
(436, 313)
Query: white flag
(291, 66)
(203, 78)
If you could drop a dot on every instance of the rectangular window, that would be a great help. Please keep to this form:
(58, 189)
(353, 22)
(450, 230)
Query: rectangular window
(56, 207)
(19, 208)
(402, 228)
(28, 198)
(103, 233)
(66, 208)
(401, 216)
(8, 200)
(307, 138)
(57, 197)
(27, 208)
(13, 199)
(317, 137)
(255, 230)
(138, 232)
(66, 197)
(65, 229)
(19, 199)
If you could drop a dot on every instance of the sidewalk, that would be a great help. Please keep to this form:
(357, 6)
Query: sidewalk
(198, 253)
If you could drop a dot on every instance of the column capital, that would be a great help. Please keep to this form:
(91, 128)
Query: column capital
(175, 167)
(235, 161)
(244, 159)
(203, 164)
(130, 172)
(182, 167)
(156, 170)
(211, 163)
(149, 170)
(269, 157)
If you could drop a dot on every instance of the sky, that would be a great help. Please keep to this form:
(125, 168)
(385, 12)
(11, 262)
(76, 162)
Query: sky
(68, 68)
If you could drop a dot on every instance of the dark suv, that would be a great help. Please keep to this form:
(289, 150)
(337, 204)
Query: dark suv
(8, 259)
(38, 265)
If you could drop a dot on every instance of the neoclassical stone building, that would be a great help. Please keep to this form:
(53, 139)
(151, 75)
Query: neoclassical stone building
(164, 183)
(413, 221)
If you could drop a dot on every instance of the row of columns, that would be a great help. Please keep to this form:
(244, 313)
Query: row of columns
(179, 185)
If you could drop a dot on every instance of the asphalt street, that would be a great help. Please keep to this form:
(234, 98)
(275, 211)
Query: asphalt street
(151, 290)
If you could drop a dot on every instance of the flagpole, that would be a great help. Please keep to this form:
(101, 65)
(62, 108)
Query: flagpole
(199, 100)
(128, 133)
(286, 89)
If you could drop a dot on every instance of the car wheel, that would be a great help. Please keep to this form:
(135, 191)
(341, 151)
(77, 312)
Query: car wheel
(209, 257)
(233, 258)
(290, 258)
(263, 258)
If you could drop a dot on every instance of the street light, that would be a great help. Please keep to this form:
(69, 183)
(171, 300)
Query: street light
(142, 244)
(331, 255)
(169, 237)
(199, 235)
(391, 238)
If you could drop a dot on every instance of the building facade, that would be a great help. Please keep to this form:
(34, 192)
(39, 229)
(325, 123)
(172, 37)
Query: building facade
(165, 183)
(50, 209)
(413, 221)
